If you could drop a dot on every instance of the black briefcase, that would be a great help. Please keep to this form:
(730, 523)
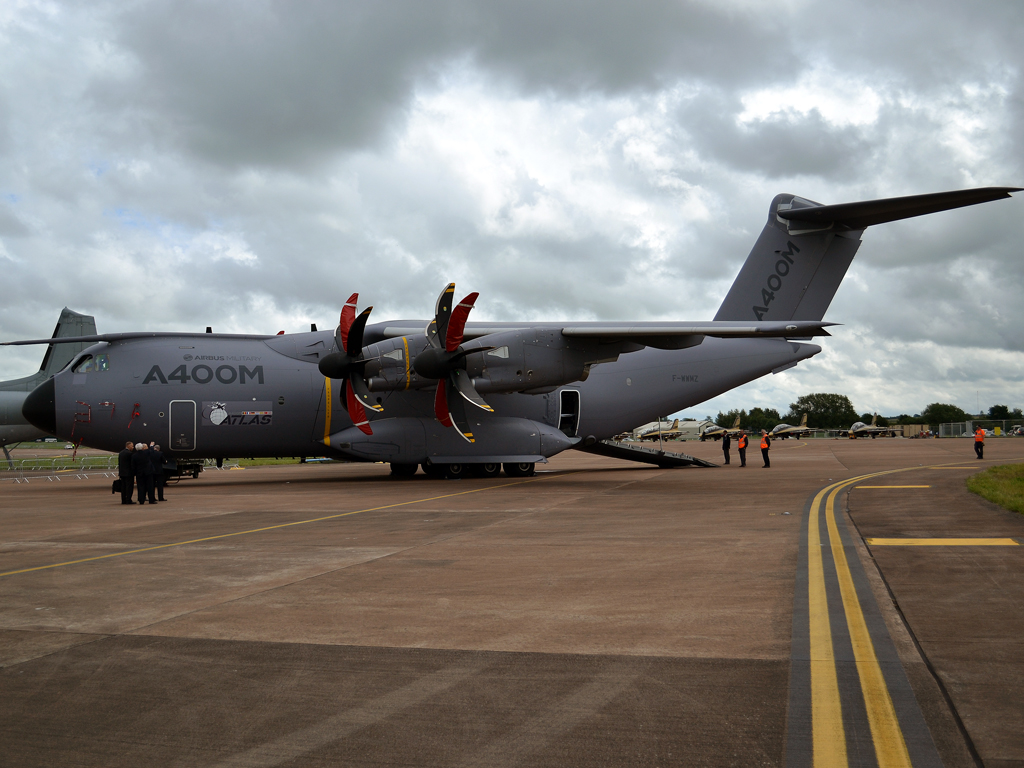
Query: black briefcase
(115, 487)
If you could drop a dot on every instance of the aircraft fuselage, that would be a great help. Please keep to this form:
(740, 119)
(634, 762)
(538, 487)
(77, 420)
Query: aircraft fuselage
(228, 397)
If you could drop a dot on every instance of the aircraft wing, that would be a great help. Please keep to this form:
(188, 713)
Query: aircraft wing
(125, 336)
(681, 335)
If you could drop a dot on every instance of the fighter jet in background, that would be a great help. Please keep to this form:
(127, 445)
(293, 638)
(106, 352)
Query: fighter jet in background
(860, 429)
(14, 427)
(782, 431)
(715, 432)
(457, 397)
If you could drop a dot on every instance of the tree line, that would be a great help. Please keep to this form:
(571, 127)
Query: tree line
(831, 411)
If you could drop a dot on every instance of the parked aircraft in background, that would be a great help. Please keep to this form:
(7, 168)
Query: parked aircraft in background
(14, 427)
(715, 432)
(782, 431)
(860, 429)
(457, 397)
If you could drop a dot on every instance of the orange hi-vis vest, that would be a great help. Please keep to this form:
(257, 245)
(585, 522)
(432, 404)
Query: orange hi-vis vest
(764, 442)
(743, 442)
(979, 435)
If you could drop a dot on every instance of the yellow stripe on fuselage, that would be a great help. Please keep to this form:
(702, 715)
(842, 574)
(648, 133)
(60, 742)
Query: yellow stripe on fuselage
(327, 413)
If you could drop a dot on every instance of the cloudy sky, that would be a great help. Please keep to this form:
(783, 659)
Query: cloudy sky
(247, 164)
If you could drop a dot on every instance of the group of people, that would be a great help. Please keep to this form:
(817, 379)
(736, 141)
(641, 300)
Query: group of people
(141, 466)
(741, 446)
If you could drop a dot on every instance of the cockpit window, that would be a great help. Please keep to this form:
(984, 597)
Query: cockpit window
(92, 364)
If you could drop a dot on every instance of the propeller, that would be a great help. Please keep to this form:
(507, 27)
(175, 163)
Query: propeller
(348, 363)
(445, 359)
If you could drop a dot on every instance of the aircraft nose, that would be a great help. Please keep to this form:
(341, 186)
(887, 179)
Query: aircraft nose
(39, 408)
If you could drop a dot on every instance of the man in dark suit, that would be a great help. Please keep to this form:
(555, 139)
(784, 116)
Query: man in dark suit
(125, 473)
(143, 469)
(158, 472)
(726, 442)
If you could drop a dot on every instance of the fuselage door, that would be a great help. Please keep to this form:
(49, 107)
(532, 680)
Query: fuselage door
(183, 425)
(569, 411)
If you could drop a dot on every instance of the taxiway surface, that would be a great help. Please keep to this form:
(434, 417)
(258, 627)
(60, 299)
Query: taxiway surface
(600, 613)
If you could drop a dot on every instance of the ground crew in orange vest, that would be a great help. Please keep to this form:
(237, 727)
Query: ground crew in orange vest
(741, 445)
(766, 444)
(979, 442)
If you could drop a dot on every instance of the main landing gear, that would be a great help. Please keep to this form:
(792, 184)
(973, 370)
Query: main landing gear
(456, 471)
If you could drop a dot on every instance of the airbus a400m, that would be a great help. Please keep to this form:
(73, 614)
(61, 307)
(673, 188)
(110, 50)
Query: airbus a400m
(455, 396)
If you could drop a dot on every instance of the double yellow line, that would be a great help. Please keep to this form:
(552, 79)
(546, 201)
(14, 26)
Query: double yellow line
(829, 734)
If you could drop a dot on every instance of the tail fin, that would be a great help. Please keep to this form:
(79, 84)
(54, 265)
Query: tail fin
(805, 248)
(874, 419)
(803, 421)
(70, 323)
(736, 424)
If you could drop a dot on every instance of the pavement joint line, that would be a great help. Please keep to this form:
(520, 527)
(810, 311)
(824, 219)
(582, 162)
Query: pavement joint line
(979, 542)
(268, 528)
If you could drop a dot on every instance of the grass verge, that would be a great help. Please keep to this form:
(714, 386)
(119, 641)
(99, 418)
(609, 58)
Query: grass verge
(1003, 485)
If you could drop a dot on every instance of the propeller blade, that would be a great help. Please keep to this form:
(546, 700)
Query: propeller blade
(464, 386)
(441, 405)
(356, 412)
(457, 413)
(438, 327)
(354, 337)
(348, 314)
(457, 322)
(362, 392)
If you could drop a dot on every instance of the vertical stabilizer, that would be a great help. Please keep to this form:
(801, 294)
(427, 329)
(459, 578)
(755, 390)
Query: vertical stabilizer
(57, 356)
(793, 270)
(805, 248)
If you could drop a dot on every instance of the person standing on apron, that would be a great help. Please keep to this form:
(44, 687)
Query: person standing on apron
(979, 442)
(726, 442)
(741, 444)
(125, 473)
(766, 444)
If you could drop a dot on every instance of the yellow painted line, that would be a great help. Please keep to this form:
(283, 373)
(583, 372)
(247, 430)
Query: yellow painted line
(892, 486)
(942, 542)
(890, 746)
(408, 375)
(327, 413)
(270, 527)
(828, 733)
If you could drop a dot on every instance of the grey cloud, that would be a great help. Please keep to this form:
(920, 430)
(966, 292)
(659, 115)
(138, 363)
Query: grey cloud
(271, 82)
(784, 145)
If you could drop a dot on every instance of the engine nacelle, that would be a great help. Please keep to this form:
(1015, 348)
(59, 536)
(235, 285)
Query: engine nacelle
(531, 360)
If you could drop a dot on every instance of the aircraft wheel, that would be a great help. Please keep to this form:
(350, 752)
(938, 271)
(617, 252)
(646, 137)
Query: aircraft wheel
(522, 469)
(485, 470)
(403, 470)
(456, 471)
(435, 471)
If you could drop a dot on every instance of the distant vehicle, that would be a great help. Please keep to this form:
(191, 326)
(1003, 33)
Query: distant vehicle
(860, 429)
(715, 432)
(782, 431)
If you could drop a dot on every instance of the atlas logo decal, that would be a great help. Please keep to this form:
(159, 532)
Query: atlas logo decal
(204, 374)
(775, 279)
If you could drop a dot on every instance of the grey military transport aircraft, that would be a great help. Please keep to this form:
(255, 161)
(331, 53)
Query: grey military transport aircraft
(466, 398)
(14, 427)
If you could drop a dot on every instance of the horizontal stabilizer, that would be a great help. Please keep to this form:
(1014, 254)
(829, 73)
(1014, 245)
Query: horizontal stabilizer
(871, 212)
